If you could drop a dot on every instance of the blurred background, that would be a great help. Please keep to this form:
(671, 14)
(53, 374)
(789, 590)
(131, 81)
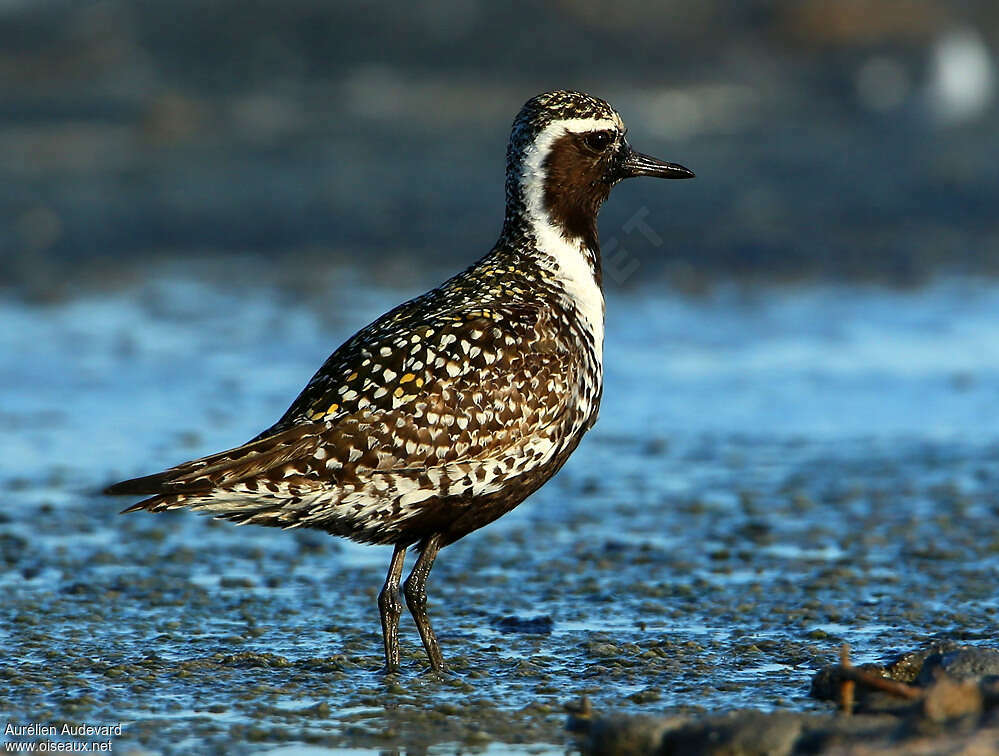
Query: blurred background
(799, 435)
(833, 139)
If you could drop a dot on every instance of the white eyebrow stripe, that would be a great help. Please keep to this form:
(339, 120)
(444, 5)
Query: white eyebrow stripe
(579, 125)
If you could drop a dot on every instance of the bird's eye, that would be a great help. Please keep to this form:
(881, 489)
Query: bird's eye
(597, 140)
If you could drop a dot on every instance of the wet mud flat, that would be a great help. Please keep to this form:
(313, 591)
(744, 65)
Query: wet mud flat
(185, 629)
(673, 568)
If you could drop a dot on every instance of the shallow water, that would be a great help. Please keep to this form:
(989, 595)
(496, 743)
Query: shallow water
(775, 471)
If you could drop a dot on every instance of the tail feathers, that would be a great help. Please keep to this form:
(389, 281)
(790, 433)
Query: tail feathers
(148, 484)
(152, 504)
(172, 487)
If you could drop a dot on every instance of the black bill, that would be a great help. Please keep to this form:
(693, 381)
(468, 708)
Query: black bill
(637, 164)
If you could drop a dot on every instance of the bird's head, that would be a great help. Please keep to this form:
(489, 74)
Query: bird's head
(567, 150)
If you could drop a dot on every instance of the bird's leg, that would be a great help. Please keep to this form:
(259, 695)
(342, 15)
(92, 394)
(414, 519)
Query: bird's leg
(390, 607)
(415, 590)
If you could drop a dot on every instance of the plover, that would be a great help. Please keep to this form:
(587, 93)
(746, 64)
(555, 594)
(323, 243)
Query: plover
(451, 409)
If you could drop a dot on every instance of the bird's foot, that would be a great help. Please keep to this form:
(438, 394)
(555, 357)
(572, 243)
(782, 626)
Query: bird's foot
(441, 673)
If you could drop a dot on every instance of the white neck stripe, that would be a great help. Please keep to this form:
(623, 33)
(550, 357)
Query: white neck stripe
(570, 261)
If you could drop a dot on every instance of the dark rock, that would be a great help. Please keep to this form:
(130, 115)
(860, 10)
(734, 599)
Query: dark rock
(741, 733)
(249, 660)
(541, 625)
(921, 668)
(629, 735)
(826, 682)
(965, 663)
(906, 667)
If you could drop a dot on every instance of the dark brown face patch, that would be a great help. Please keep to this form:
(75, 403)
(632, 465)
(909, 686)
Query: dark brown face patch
(576, 186)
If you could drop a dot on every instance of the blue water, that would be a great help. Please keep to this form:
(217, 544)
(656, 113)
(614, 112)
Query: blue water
(98, 386)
